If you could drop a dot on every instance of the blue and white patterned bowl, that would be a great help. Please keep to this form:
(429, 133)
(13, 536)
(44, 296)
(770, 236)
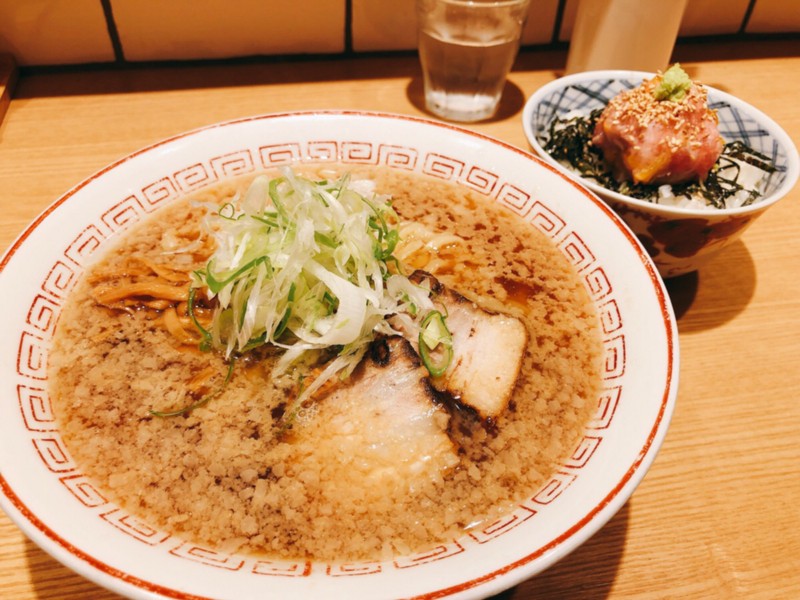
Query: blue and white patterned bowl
(678, 239)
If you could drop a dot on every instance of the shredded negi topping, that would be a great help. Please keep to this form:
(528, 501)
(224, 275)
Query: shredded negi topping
(308, 267)
(570, 141)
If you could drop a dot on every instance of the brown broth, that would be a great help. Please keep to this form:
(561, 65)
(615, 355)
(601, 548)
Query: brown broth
(227, 477)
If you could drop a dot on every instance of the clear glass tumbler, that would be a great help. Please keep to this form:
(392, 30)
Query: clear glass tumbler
(467, 48)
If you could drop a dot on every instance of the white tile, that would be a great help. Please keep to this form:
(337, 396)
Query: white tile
(713, 17)
(379, 25)
(775, 16)
(541, 22)
(54, 32)
(197, 29)
(568, 20)
(700, 17)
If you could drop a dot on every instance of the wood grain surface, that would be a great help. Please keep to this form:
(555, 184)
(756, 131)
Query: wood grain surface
(718, 514)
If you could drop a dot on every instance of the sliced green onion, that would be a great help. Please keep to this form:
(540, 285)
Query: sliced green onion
(285, 320)
(216, 286)
(202, 401)
(325, 240)
(277, 201)
(305, 265)
(391, 240)
(268, 219)
(227, 211)
(205, 343)
(433, 335)
(330, 302)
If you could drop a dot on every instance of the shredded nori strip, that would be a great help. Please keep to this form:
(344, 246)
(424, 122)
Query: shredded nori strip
(570, 142)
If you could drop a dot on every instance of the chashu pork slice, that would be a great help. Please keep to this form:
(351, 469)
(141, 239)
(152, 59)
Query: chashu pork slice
(488, 349)
(384, 428)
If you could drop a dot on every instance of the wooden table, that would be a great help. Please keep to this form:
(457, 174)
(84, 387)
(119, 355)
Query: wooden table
(717, 516)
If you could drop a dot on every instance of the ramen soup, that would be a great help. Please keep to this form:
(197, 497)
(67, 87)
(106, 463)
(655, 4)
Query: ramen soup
(211, 444)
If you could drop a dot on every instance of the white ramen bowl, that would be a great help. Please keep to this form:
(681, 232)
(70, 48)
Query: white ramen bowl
(61, 510)
(680, 240)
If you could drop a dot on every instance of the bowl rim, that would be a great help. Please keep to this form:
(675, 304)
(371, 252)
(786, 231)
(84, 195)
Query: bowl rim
(775, 130)
(96, 570)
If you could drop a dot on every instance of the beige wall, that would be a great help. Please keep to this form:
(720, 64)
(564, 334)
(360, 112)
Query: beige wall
(50, 32)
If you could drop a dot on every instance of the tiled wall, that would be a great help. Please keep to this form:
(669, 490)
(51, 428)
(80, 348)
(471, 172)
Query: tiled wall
(53, 32)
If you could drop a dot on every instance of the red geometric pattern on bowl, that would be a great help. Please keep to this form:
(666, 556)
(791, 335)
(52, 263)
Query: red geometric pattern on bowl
(397, 157)
(514, 198)
(89, 240)
(84, 490)
(134, 527)
(503, 525)
(354, 569)
(32, 357)
(574, 248)
(59, 280)
(614, 364)
(208, 556)
(430, 555)
(357, 152)
(282, 568)
(37, 411)
(323, 151)
(610, 317)
(585, 450)
(62, 276)
(160, 192)
(195, 177)
(443, 167)
(541, 217)
(43, 314)
(606, 406)
(277, 155)
(125, 212)
(53, 452)
(554, 488)
(597, 283)
(233, 164)
(480, 180)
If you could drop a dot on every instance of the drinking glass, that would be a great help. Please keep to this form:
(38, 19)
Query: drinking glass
(467, 48)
